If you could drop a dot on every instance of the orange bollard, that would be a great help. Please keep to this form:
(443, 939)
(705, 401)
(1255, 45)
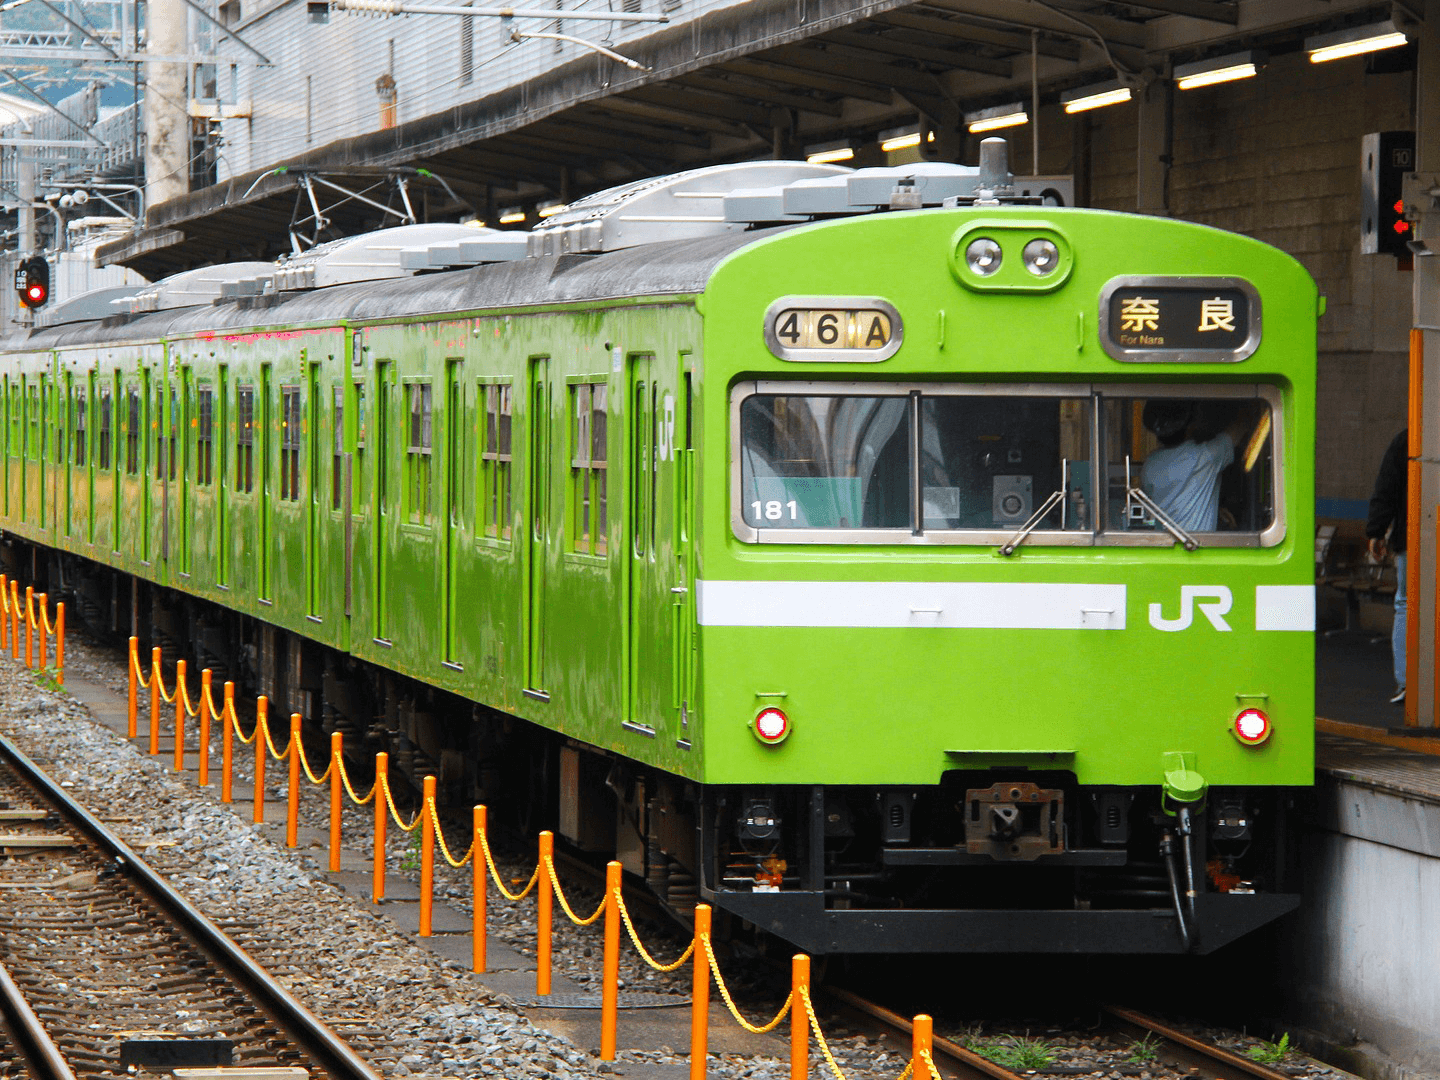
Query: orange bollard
(336, 749)
(134, 699)
(15, 620)
(382, 772)
(262, 709)
(29, 626)
(179, 715)
(44, 599)
(4, 612)
(700, 995)
(203, 766)
(227, 729)
(155, 696)
(921, 1035)
(428, 824)
(292, 809)
(545, 898)
(799, 1017)
(610, 983)
(60, 643)
(479, 883)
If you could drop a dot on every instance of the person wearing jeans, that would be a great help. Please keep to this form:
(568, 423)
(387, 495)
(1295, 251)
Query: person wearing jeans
(1385, 528)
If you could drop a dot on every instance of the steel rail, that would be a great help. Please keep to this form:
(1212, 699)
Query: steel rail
(41, 1054)
(329, 1052)
(967, 1062)
(1192, 1051)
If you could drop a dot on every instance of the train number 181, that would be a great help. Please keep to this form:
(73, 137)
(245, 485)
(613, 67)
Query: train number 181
(774, 510)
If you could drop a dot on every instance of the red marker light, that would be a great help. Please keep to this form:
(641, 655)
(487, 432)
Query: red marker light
(35, 294)
(771, 726)
(1252, 727)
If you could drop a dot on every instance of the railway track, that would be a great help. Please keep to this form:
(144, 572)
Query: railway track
(107, 970)
(1169, 1051)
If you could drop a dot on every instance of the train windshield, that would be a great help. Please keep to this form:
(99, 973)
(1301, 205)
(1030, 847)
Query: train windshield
(1061, 464)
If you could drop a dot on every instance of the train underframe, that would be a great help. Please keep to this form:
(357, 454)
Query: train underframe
(1018, 861)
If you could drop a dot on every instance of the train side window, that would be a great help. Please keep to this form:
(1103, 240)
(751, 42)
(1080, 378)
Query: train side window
(418, 404)
(495, 460)
(245, 438)
(337, 456)
(103, 449)
(34, 447)
(290, 443)
(205, 435)
(132, 431)
(78, 442)
(589, 435)
(157, 424)
(1203, 461)
(172, 453)
(361, 493)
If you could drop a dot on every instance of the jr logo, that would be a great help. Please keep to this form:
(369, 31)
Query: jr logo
(1213, 601)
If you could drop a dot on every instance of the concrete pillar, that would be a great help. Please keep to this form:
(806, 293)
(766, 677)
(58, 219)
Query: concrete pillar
(165, 110)
(1152, 148)
(1425, 389)
(25, 189)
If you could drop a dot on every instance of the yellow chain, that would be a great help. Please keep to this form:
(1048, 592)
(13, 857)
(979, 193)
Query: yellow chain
(729, 1002)
(184, 692)
(140, 679)
(495, 873)
(909, 1068)
(278, 755)
(440, 836)
(209, 699)
(235, 722)
(820, 1035)
(390, 802)
(45, 618)
(5, 597)
(305, 764)
(930, 1064)
(644, 955)
(157, 678)
(345, 779)
(565, 904)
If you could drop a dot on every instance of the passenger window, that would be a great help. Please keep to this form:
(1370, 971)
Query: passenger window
(290, 443)
(245, 439)
(418, 454)
(81, 401)
(173, 453)
(1204, 464)
(825, 462)
(33, 446)
(337, 456)
(495, 461)
(589, 432)
(205, 436)
(132, 433)
(103, 451)
(362, 492)
(157, 424)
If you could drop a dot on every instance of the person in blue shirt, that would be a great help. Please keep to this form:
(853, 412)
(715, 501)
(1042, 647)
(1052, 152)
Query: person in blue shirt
(1183, 476)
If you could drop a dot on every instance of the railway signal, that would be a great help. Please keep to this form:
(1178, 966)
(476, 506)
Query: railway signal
(32, 281)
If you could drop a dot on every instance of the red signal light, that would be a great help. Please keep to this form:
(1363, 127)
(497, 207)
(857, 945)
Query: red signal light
(1399, 206)
(1252, 727)
(35, 295)
(771, 726)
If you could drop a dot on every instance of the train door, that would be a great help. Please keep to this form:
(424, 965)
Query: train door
(311, 441)
(223, 480)
(183, 438)
(384, 376)
(263, 515)
(160, 487)
(65, 473)
(455, 457)
(681, 438)
(643, 661)
(538, 407)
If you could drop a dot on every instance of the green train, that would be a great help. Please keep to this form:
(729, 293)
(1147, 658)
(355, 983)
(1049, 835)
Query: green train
(890, 558)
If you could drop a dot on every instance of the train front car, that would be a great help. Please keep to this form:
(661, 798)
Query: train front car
(1006, 603)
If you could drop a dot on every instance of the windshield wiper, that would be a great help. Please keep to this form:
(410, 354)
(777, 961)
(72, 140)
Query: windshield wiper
(1166, 521)
(1008, 548)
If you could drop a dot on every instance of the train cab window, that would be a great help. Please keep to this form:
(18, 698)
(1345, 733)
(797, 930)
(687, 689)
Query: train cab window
(589, 436)
(1191, 464)
(78, 443)
(495, 461)
(418, 452)
(245, 439)
(205, 435)
(290, 443)
(812, 461)
(102, 450)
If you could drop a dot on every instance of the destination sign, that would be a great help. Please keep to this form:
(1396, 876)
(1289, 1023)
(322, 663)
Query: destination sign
(821, 329)
(1183, 320)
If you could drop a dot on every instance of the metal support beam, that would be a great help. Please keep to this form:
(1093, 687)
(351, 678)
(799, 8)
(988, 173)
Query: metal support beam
(1152, 149)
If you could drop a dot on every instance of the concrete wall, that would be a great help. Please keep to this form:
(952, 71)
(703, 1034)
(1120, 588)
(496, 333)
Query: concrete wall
(1277, 157)
(1367, 948)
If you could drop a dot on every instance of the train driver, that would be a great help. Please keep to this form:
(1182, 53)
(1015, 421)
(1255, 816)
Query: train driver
(1183, 475)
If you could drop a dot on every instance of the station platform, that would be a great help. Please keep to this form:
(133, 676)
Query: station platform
(1365, 945)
